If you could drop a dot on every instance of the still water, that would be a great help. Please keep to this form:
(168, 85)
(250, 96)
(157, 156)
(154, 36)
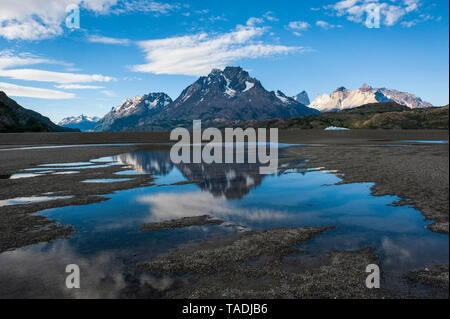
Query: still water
(108, 242)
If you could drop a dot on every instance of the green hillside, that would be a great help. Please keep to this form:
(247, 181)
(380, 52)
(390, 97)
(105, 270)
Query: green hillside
(389, 115)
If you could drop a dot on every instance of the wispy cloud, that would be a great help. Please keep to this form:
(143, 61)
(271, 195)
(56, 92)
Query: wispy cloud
(422, 18)
(254, 21)
(9, 60)
(42, 19)
(144, 6)
(78, 87)
(25, 91)
(197, 54)
(325, 25)
(269, 16)
(391, 12)
(297, 27)
(107, 40)
(56, 77)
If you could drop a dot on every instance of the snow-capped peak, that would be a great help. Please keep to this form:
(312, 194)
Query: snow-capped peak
(150, 101)
(343, 98)
(282, 97)
(78, 119)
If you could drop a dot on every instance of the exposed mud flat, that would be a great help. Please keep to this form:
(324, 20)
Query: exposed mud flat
(278, 242)
(181, 223)
(436, 277)
(256, 264)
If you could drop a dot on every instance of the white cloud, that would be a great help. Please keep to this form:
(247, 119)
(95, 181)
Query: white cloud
(420, 19)
(197, 54)
(145, 6)
(78, 87)
(411, 5)
(39, 19)
(254, 21)
(299, 25)
(7, 59)
(25, 91)
(269, 16)
(49, 76)
(391, 12)
(325, 25)
(42, 19)
(107, 40)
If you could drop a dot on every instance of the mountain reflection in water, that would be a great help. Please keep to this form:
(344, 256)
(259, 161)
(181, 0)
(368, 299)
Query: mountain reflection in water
(233, 181)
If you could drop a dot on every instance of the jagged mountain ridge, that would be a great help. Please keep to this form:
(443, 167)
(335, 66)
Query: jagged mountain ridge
(302, 98)
(343, 99)
(15, 118)
(230, 95)
(82, 122)
(218, 99)
(132, 112)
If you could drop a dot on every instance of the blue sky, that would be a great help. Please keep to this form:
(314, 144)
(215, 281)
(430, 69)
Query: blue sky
(125, 48)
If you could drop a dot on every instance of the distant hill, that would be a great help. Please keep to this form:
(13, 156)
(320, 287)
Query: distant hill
(82, 122)
(219, 99)
(388, 115)
(15, 118)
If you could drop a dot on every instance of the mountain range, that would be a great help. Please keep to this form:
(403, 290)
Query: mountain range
(15, 118)
(224, 98)
(82, 122)
(219, 99)
(343, 99)
(133, 114)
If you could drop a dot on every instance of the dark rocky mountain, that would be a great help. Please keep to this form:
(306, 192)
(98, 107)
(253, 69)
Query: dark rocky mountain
(387, 115)
(302, 98)
(219, 99)
(133, 113)
(82, 122)
(15, 118)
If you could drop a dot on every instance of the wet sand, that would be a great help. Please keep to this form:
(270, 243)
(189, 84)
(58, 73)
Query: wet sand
(418, 174)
